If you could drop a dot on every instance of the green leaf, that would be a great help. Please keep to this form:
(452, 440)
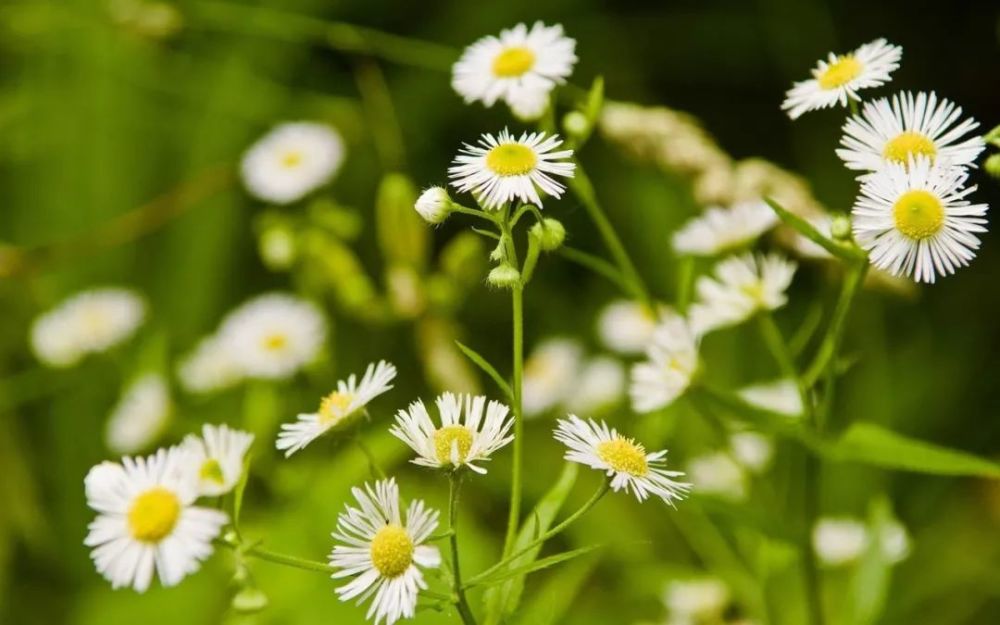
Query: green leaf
(871, 580)
(486, 367)
(549, 604)
(538, 565)
(402, 235)
(806, 229)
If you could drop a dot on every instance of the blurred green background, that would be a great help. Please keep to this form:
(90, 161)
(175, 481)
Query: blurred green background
(102, 112)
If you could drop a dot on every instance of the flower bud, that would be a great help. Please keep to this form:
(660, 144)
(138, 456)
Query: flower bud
(504, 276)
(434, 205)
(576, 124)
(992, 165)
(277, 247)
(550, 234)
(840, 227)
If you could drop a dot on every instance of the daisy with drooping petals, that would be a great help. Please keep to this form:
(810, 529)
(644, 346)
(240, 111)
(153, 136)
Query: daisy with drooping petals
(272, 336)
(291, 161)
(623, 460)
(914, 220)
(841, 77)
(384, 552)
(146, 520)
(741, 286)
(337, 408)
(911, 126)
(504, 168)
(521, 67)
(140, 416)
(720, 229)
(458, 441)
(217, 457)
(671, 363)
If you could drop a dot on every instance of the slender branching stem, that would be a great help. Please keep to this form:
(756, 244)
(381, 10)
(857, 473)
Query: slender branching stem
(462, 604)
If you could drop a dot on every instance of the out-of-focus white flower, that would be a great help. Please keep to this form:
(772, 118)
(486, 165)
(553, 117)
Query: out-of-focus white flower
(549, 374)
(505, 168)
(217, 457)
(622, 459)
(434, 205)
(719, 230)
(458, 441)
(839, 541)
(841, 77)
(740, 287)
(146, 520)
(384, 552)
(780, 396)
(672, 360)
(718, 474)
(140, 416)
(895, 542)
(337, 408)
(274, 335)
(209, 367)
(291, 161)
(910, 127)
(86, 323)
(914, 219)
(626, 326)
(752, 450)
(520, 67)
(600, 385)
(700, 600)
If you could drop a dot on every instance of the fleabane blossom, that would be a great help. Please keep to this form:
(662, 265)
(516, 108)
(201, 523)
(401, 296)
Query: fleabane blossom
(740, 287)
(217, 457)
(550, 371)
(909, 127)
(146, 520)
(505, 168)
(717, 473)
(840, 77)
(600, 386)
(210, 367)
(719, 230)
(698, 600)
(622, 459)
(781, 396)
(915, 221)
(338, 408)
(625, 326)
(840, 541)
(752, 450)
(140, 416)
(384, 552)
(671, 363)
(88, 322)
(274, 335)
(470, 431)
(291, 161)
(520, 67)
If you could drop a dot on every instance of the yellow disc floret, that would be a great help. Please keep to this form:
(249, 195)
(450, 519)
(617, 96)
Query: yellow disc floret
(153, 515)
(392, 551)
(211, 471)
(918, 214)
(291, 159)
(513, 62)
(839, 73)
(334, 407)
(907, 144)
(511, 159)
(449, 437)
(624, 455)
(274, 342)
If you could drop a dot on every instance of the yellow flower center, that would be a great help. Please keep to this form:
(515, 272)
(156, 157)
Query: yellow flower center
(755, 291)
(334, 407)
(211, 471)
(274, 342)
(837, 74)
(513, 62)
(908, 144)
(291, 159)
(511, 159)
(452, 436)
(918, 214)
(153, 515)
(624, 455)
(392, 551)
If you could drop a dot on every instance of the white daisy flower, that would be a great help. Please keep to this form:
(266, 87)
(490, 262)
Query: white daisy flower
(458, 441)
(623, 460)
(839, 541)
(85, 323)
(717, 474)
(752, 450)
(914, 220)
(720, 230)
(140, 416)
(210, 367)
(502, 169)
(841, 77)
(520, 66)
(672, 361)
(549, 374)
(698, 600)
(217, 457)
(911, 126)
(781, 396)
(383, 552)
(291, 161)
(272, 336)
(337, 408)
(626, 326)
(146, 520)
(600, 386)
(741, 286)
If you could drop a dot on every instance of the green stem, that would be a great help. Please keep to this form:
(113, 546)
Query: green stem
(384, 124)
(685, 283)
(831, 342)
(462, 605)
(598, 265)
(853, 104)
(292, 561)
(779, 349)
(373, 463)
(514, 515)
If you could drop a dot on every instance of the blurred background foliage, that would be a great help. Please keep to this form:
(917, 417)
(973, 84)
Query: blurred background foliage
(106, 107)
